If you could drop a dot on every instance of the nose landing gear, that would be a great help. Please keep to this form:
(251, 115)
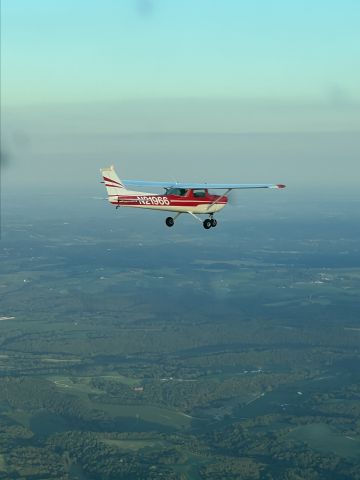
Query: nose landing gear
(169, 221)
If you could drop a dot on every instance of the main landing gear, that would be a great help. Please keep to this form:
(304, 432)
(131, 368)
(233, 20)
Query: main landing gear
(209, 222)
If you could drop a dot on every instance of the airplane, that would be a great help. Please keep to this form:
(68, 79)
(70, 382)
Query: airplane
(191, 198)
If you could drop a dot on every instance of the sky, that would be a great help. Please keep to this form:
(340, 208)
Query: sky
(174, 85)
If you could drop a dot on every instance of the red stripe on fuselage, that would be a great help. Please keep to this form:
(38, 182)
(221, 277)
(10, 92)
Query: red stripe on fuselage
(172, 203)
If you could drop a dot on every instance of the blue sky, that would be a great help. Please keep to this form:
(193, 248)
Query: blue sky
(91, 50)
(163, 87)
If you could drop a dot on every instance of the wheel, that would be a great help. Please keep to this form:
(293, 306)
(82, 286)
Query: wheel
(169, 222)
(213, 222)
(207, 223)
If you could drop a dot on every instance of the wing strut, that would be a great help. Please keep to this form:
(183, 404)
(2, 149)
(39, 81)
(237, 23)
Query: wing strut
(220, 198)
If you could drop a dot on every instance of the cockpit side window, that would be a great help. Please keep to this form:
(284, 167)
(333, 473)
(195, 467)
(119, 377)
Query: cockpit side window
(199, 193)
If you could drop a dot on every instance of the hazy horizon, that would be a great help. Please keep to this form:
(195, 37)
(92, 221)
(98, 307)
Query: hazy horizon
(205, 91)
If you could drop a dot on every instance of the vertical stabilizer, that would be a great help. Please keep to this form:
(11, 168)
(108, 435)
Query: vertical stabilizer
(112, 182)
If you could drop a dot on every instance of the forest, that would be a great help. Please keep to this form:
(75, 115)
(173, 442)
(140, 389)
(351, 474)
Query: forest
(150, 365)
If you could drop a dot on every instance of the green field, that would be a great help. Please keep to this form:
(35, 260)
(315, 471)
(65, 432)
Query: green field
(2, 463)
(323, 438)
(148, 413)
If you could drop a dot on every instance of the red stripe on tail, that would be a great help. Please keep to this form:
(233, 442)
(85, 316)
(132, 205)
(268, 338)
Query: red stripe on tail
(113, 181)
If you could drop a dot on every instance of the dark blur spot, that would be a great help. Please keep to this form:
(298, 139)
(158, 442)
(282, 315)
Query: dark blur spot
(4, 159)
(144, 7)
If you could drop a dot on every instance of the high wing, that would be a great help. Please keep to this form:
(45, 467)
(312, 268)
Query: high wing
(213, 186)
